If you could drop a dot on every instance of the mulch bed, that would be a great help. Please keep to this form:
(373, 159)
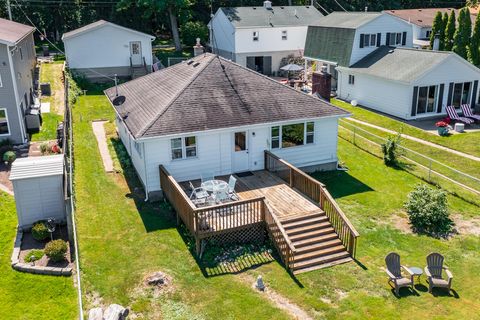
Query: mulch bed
(29, 243)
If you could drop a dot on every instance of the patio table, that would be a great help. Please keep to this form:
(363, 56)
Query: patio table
(417, 272)
(212, 185)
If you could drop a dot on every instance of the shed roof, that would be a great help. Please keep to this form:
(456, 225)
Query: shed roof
(11, 32)
(400, 64)
(350, 20)
(209, 92)
(244, 17)
(33, 167)
(98, 24)
(330, 44)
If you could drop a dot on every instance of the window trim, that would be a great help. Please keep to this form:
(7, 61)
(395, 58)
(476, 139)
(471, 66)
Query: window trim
(280, 135)
(435, 99)
(469, 97)
(1, 82)
(8, 124)
(183, 148)
(351, 79)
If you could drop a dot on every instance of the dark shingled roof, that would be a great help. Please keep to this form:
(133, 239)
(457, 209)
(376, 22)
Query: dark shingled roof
(244, 17)
(209, 92)
(330, 44)
(11, 32)
(399, 64)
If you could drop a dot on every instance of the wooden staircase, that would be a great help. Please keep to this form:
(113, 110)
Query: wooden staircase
(315, 241)
(138, 71)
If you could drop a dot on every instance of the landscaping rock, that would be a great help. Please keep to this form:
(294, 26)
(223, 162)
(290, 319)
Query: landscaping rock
(115, 312)
(95, 314)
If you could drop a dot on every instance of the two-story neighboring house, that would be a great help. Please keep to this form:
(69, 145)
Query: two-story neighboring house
(372, 61)
(260, 37)
(17, 63)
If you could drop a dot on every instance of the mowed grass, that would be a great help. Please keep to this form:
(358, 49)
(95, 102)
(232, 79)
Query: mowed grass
(51, 72)
(123, 238)
(467, 142)
(24, 295)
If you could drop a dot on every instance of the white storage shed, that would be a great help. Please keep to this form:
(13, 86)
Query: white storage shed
(38, 188)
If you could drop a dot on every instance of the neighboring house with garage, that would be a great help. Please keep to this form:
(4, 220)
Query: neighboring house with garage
(17, 65)
(104, 48)
(261, 37)
(209, 114)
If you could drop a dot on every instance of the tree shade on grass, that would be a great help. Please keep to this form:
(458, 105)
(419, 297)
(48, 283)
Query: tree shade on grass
(25, 295)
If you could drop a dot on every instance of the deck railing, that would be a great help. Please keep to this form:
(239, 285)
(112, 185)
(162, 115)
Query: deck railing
(279, 237)
(317, 192)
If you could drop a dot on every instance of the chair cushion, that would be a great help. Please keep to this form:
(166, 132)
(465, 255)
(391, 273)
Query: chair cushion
(403, 281)
(439, 282)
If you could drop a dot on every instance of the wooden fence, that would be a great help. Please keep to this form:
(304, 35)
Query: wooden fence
(317, 192)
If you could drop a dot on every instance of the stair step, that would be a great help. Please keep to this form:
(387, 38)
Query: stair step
(324, 265)
(313, 240)
(308, 228)
(304, 222)
(321, 260)
(303, 217)
(319, 246)
(312, 232)
(319, 253)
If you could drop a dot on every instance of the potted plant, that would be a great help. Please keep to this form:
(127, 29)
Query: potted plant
(442, 128)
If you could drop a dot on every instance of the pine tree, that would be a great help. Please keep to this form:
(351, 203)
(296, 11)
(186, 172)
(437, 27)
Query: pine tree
(461, 39)
(474, 48)
(450, 31)
(436, 27)
(441, 32)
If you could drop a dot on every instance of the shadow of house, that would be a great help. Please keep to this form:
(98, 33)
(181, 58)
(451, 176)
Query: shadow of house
(341, 183)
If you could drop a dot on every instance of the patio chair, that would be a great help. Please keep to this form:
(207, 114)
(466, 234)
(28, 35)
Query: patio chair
(467, 112)
(207, 176)
(434, 270)
(231, 187)
(452, 114)
(394, 271)
(221, 193)
(198, 194)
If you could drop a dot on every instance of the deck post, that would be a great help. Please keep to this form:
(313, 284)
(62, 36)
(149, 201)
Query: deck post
(198, 246)
(291, 177)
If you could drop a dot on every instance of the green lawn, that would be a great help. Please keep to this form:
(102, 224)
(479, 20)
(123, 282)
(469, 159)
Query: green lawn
(24, 295)
(123, 238)
(164, 54)
(467, 142)
(51, 72)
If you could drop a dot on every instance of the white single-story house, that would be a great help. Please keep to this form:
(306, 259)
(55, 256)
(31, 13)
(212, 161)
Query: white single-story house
(410, 83)
(209, 114)
(261, 37)
(105, 48)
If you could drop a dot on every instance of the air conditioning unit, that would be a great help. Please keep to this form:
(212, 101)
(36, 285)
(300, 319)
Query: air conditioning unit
(32, 119)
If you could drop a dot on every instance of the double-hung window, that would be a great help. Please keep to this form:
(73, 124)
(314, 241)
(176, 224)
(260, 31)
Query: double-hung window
(255, 35)
(184, 148)
(4, 129)
(351, 79)
(284, 34)
(396, 38)
(292, 135)
(461, 94)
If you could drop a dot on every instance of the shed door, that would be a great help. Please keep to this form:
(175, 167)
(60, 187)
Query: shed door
(136, 52)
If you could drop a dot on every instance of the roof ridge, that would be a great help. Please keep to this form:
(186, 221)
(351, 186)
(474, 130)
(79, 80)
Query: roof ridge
(148, 126)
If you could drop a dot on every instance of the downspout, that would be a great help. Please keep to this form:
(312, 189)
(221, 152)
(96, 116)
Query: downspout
(15, 91)
(145, 167)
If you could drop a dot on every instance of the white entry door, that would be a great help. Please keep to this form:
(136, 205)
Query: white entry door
(240, 151)
(136, 52)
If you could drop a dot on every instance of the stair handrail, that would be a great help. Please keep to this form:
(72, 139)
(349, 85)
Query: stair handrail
(340, 211)
(282, 230)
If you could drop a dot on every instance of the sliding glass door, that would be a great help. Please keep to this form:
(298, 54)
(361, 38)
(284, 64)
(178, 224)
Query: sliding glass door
(427, 98)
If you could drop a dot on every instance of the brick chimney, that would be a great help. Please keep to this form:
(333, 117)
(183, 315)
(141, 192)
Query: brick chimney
(198, 49)
(322, 84)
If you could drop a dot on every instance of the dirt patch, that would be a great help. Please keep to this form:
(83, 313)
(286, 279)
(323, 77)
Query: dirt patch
(154, 284)
(401, 223)
(463, 226)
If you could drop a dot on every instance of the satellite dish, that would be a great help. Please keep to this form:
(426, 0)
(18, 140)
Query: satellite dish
(118, 101)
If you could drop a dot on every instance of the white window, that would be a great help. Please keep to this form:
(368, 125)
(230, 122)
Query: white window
(4, 128)
(351, 79)
(428, 33)
(427, 99)
(461, 94)
(255, 35)
(183, 148)
(395, 38)
(369, 40)
(284, 34)
(292, 135)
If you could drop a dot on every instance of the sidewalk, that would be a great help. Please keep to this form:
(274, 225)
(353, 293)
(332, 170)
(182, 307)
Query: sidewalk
(427, 143)
(99, 131)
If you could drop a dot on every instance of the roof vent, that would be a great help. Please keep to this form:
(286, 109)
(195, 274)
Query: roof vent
(390, 51)
(196, 64)
(190, 62)
(267, 5)
(254, 8)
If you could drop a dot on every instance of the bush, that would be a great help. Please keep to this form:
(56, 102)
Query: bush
(40, 231)
(5, 145)
(192, 30)
(9, 156)
(44, 148)
(34, 255)
(56, 250)
(391, 150)
(428, 211)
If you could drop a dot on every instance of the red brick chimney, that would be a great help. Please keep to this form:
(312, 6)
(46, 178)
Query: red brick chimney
(322, 83)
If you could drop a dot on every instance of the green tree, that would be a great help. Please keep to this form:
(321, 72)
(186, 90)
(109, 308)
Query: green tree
(474, 47)
(450, 31)
(461, 39)
(437, 28)
(442, 32)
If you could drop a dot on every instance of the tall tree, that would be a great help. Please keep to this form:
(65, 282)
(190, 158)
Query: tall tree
(437, 28)
(461, 39)
(474, 47)
(442, 32)
(450, 31)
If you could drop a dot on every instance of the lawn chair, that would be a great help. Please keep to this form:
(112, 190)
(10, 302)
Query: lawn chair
(221, 193)
(394, 271)
(467, 112)
(198, 195)
(452, 114)
(231, 187)
(434, 270)
(207, 176)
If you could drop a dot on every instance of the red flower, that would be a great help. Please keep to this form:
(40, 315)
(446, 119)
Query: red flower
(55, 149)
(441, 124)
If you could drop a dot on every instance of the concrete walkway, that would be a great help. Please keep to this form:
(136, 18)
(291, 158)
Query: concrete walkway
(427, 143)
(99, 131)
